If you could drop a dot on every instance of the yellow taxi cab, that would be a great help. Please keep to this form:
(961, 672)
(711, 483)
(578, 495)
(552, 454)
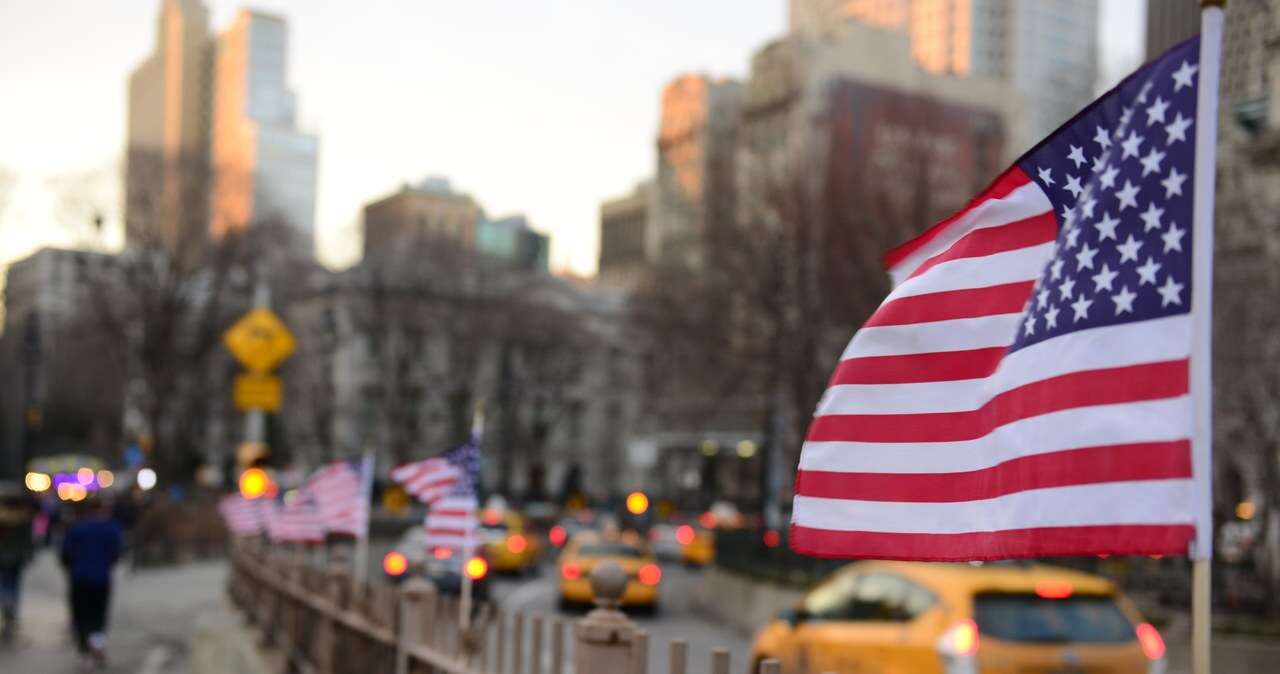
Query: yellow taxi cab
(697, 547)
(950, 618)
(587, 549)
(508, 545)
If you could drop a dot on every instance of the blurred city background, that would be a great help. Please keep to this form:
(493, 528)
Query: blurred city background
(636, 235)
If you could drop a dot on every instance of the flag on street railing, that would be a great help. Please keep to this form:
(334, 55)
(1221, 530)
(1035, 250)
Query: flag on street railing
(296, 520)
(1024, 389)
(341, 496)
(452, 521)
(456, 470)
(243, 517)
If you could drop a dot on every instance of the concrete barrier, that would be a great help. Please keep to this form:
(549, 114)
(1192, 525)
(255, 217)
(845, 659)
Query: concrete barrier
(740, 602)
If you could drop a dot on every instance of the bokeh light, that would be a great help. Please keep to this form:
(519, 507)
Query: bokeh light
(38, 482)
(146, 479)
(637, 503)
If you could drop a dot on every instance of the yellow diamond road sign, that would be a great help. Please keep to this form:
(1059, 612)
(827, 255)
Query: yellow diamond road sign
(259, 340)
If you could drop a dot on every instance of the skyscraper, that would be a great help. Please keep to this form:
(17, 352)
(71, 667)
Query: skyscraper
(1047, 49)
(264, 167)
(166, 156)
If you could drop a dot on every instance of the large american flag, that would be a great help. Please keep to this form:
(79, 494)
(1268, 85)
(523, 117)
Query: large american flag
(455, 470)
(1024, 389)
(341, 496)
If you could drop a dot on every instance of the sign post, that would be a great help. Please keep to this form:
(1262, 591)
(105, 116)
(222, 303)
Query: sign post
(259, 341)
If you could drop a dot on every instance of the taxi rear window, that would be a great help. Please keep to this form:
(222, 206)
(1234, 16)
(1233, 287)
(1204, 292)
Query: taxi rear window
(1033, 619)
(609, 550)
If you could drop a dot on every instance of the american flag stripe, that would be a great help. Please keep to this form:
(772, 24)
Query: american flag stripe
(1147, 422)
(967, 421)
(1141, 539)
(428, 480)
(1098, 349)
(452, 523)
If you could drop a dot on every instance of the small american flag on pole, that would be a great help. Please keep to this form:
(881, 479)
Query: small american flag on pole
(297, 520)
(243, 516)
(341, 496)
(1030, 385)
(428, 480)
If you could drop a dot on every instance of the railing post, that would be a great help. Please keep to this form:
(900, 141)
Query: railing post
(337, 581)
(604, 636)
(415, 593)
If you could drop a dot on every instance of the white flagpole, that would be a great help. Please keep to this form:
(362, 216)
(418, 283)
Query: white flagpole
(361, 561)
(464, 606)
(1202, 312)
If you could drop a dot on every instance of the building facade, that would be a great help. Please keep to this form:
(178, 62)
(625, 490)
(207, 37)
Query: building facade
(1047, 49)
(514, 241)
(624, 224)
(697, 138)
(166, 152)
(429, 210)
(264, 168)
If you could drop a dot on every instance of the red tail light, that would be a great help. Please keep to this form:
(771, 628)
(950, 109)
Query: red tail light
(517, 544)
(557, 536)
(442, 553)
(707, 520)
(476, 568)
(684, 535)
(1054, 589)
(1151, 641)
(772, 538)
(571, 571)
(961, 640)
(649, 574)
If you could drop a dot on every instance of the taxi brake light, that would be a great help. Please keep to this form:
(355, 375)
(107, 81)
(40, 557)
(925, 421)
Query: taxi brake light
(1054, 589)
(1151, 641)
(649, 574)
(684, 535)
(571, 571)
(557, 535)
(516, 544)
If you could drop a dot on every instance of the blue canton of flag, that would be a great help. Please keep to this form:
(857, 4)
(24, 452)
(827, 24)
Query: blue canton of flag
(1119, 179)
(467, 458)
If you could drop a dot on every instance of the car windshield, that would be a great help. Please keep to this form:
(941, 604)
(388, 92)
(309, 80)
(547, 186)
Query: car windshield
(610, 550)
(1030, 618)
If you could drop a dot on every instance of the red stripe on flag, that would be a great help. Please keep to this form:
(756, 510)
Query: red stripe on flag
(1007, 298)
(984, 241)
(452, 513)
(433, 531)
(1118, 539)
(918, 367)
(1089, 465)
(1000, 188)
(1108, 386)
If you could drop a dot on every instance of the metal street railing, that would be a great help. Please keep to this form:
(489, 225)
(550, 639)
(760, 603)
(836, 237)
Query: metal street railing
(319, 621)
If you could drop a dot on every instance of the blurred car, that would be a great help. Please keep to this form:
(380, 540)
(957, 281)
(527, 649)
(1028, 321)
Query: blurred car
(507, 543)
(688, 543)
(588, 549)
(443, 567)
(952, 618)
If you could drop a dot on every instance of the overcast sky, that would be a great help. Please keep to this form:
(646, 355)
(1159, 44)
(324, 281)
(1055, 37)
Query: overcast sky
(539, 106)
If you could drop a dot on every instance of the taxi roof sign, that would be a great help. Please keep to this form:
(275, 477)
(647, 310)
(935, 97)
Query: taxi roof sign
(259, 340)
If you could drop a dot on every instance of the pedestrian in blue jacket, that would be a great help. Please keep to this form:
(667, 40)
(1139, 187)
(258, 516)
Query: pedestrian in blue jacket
(89, 550)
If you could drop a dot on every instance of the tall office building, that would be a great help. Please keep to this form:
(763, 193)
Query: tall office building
(697, 137)
(264, 167)
(166, 156)
(1046, 48)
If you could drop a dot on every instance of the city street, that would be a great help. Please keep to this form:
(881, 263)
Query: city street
(675, 618)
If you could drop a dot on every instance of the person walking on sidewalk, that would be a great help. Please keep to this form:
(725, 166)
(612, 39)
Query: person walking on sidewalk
(16, 548)
(90, 548)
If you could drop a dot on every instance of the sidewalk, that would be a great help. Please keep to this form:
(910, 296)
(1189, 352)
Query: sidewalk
(153, 617)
